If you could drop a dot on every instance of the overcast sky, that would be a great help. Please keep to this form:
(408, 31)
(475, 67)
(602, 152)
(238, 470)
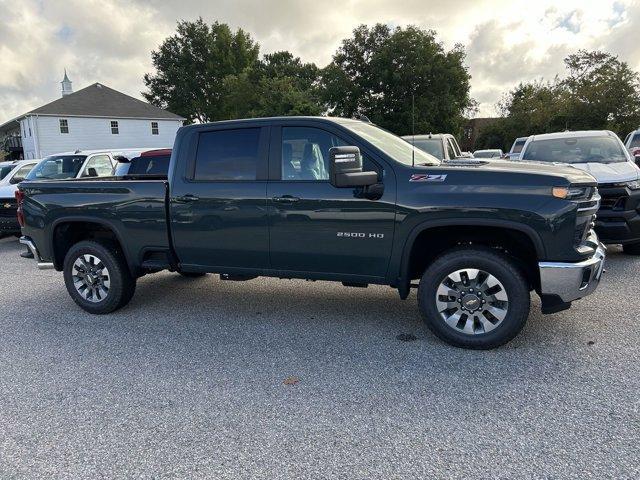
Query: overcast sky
(110, 41)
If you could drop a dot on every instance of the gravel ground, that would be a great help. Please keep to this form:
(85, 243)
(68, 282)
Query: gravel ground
(188, 381)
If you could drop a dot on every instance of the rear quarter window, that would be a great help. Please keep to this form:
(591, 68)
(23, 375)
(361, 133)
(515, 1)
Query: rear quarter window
(228, 155)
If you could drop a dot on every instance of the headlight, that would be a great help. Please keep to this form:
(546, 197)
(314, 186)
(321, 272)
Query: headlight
(635, 185)
(572, 193)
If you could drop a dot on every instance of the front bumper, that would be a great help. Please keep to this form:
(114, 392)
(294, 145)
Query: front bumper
(571, 281)
(36, 254)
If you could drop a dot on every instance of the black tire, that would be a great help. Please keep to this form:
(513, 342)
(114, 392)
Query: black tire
(631, 248)
(121, 287)
(192, 274)
(494, 263)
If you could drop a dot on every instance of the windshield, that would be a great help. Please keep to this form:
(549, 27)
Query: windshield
(158, 165)
(5, 169)
(487, 154)
(392, 145)
(635, 142)
(517, 146)
(57, 167)
(432, 146)
(576, 150)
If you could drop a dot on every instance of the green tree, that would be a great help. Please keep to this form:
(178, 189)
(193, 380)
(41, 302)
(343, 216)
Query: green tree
(603, 92)
(599, 92)
(380, 72)
(192, 65)
(279, 84)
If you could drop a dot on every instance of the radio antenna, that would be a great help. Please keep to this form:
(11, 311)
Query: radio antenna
(413, 128)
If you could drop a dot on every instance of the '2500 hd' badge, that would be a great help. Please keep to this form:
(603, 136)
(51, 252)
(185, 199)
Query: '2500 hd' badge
(425, 177)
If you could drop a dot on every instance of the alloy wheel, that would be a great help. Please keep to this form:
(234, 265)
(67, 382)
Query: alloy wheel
(91, 278)
(472, 301)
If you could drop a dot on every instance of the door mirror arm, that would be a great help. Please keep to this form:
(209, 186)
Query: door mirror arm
(370, 192)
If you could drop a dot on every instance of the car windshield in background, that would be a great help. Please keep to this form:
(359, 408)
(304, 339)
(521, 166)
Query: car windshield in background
(57, 167)
(432, 146)
(5, 169)
(394, 146)
(150, 165)
(517, 147)
(488, 154)
(635, 142)
(576, 150)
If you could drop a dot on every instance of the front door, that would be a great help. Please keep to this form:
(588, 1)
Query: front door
(218, 206)
(317, 228)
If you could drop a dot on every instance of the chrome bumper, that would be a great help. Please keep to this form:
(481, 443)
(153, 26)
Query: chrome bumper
(571, 281)
(34, 250)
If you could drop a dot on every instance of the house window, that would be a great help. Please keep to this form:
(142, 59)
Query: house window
(154, 128)
(114, 128)
(64, 125)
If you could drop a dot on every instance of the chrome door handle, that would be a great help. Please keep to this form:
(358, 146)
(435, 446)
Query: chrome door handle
(187, 198)
(286, 199)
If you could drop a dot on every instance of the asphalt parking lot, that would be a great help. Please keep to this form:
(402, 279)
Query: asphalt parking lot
(189, 381)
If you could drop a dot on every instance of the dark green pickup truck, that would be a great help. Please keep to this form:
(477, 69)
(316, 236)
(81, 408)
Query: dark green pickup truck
(329, 199)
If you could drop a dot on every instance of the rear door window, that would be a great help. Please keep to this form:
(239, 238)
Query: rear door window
(98, 166)
(228, 155)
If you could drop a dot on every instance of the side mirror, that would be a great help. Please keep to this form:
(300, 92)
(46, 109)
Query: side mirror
(16, 179)
(345, 168)
(92, 172)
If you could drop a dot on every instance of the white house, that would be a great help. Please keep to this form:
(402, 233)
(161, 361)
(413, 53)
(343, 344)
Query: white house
(96, 117)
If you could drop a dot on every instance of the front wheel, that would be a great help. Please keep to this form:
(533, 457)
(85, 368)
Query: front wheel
(474, 298)
(97, 277)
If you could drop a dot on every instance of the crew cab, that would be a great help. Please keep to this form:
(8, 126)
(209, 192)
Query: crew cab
(601, 154)
(329, 199)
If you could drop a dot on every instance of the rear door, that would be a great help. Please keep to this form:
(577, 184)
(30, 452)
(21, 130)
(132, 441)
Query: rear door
(316, 228)
(218, 202)
(99, 165)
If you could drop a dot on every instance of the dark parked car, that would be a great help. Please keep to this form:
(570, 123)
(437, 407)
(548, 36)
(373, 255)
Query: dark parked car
(329, 199)
(150, 162)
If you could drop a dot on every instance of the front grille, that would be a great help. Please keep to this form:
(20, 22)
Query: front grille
(614, 202)
(8, 208)
(614, 196)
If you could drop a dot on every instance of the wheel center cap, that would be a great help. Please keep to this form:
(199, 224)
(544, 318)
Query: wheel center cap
(471, 302)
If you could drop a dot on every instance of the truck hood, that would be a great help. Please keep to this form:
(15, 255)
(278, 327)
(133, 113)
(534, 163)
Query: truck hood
(8, 191)
(574, 175)
(611, 172)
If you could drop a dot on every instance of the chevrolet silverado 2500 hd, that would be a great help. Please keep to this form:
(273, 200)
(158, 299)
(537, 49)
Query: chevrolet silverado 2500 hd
(329, 199)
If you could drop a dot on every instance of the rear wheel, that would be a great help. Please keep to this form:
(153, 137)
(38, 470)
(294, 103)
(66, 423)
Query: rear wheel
(97, 277)
(631, 249)
(474, 297)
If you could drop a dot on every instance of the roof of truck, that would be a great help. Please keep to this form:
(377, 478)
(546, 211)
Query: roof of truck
(569, 134)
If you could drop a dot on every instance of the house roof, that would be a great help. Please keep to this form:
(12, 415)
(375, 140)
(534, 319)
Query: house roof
(98, 100)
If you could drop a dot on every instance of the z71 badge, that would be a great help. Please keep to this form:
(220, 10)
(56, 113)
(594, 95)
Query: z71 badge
(425, 177)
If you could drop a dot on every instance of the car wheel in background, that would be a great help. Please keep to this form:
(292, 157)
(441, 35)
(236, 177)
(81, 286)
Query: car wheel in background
(192, 274)
(631, 249)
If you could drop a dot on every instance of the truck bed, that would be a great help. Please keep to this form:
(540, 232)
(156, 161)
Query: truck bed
(135, 210)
